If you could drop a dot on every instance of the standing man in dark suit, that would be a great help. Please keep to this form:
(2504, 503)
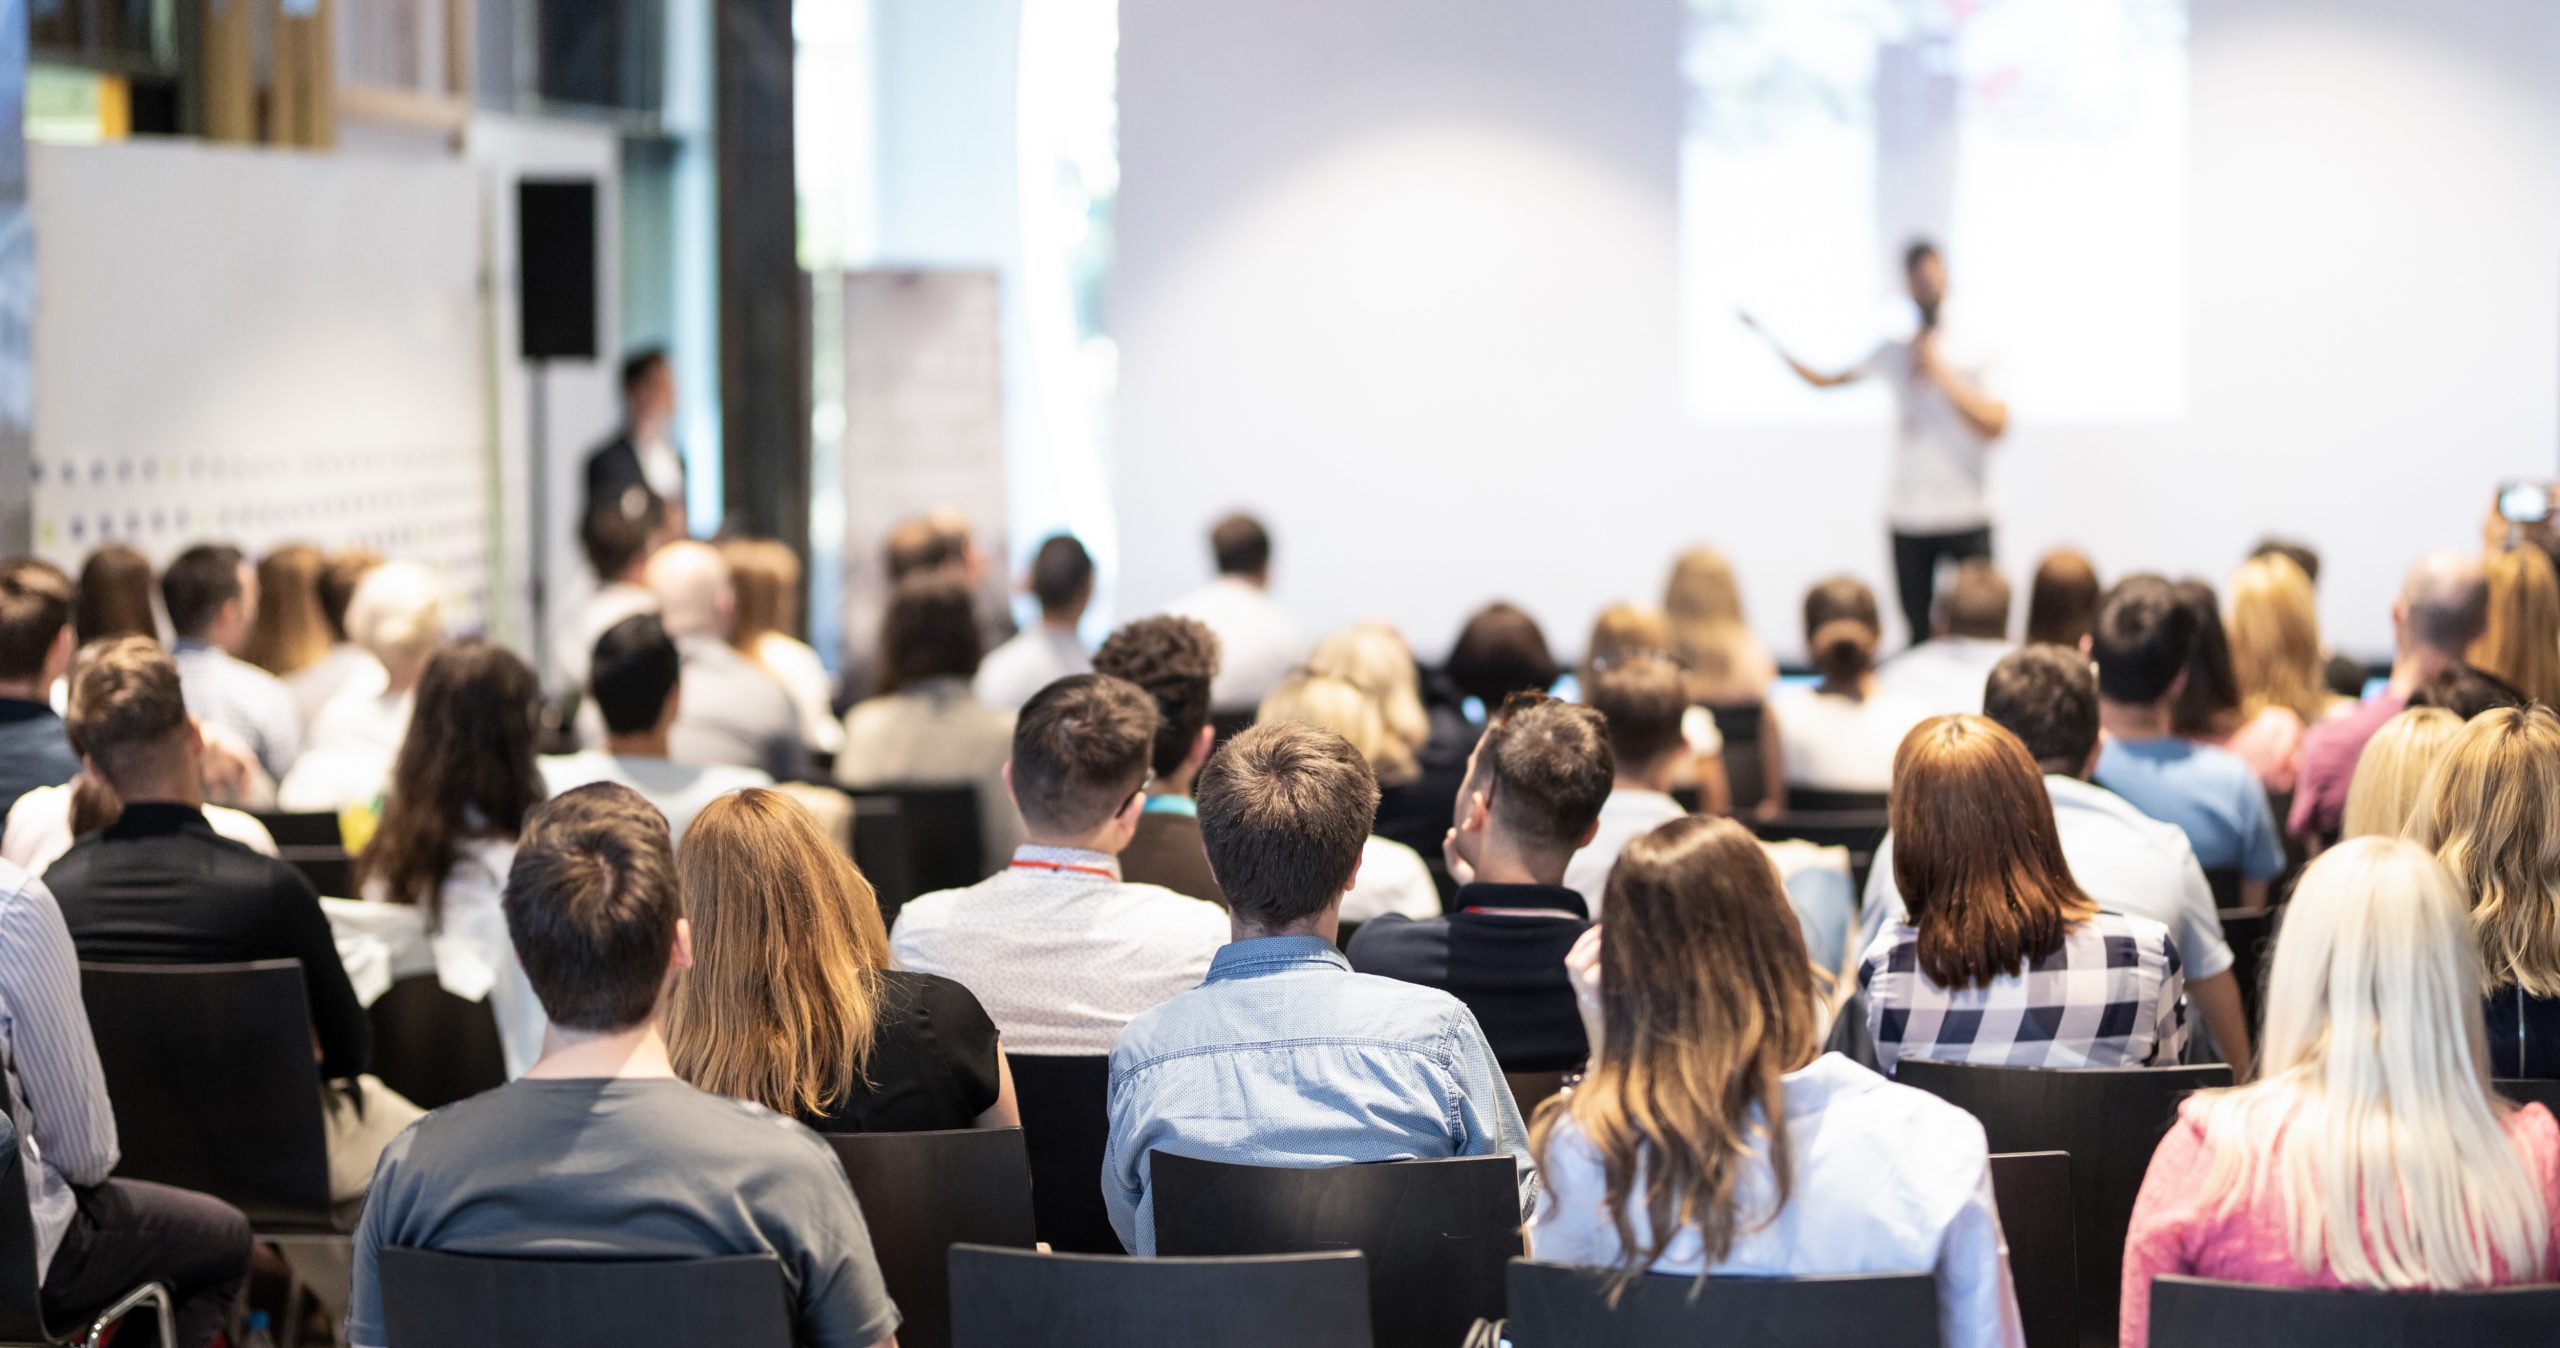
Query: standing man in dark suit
(639, 469)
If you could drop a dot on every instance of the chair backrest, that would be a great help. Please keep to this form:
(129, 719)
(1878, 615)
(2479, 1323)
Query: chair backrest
(939, 835)
(1066, 1126)
(1023, 1299)
(209, 1069)
(303, 828)
(1531, 1089)
(2189, 1312)
(1815, 800)
(1743, 725)
(1437, 1233)
(2109, 1119)
(921, 1194)
(433, 1047)
(880, 849)
(2033, 1191)
(435, 1300)
(1565, 1306)
(21, 1293)
(2537, 1092)
(2251, 936)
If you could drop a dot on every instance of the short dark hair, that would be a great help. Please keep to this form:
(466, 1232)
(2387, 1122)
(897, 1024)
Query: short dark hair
(2143, 639)
(930, 631)
(197, 585)
(614, 538)
(1643, 699)
(1976, 602)
(1499, 652)
(2467, 692)
(1080, 749)
(1241, 546)
(35, 605)
(634, 671)
(1547, 767)
(639, 365)
(1174, 660)
(1285, 812)
(339, 577)
(591, 904)
(1917, 249)
(2298, 553)
(1061, 573)
(2047, 697)
(922, 544)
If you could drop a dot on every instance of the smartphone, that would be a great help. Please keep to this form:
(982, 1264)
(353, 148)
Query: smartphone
(2524, 502)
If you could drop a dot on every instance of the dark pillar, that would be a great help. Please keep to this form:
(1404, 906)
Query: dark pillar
(764, 348)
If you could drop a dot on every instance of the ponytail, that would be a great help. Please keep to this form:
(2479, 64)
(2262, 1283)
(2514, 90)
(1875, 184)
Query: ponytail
(94, 804)
(1843, 650)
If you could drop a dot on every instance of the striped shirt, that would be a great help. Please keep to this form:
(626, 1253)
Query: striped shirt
(243, 699)
(2106, 997)
(57, 1092)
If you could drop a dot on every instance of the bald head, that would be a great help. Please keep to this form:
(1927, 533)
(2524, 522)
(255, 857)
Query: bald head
(692, 585)
(2444, 605)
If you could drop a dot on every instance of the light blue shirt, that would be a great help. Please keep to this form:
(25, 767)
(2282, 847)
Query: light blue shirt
(1170, 803)
(1284, 1057)
(2208, 793)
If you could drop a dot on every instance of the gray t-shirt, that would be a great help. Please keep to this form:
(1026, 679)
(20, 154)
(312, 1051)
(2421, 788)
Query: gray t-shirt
(626, 1169)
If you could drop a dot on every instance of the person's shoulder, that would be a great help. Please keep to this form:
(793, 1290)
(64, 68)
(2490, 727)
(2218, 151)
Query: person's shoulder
(1395, 856)
(723, 778)
(1937, 1133)
(2142, 931)
(1399, 1008)
(1391, 938)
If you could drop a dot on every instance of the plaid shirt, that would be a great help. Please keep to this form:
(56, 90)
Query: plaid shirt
(2108, 997)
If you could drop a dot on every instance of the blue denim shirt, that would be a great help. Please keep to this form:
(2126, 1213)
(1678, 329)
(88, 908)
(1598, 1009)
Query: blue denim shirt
(1284, 1057)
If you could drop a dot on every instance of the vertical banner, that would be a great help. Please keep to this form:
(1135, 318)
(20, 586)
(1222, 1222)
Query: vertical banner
(17, 291)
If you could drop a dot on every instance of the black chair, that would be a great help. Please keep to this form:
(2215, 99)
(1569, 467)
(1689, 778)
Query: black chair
(1066, 1126)
(1020, 1299)
(1860, 831)
(312, 843)
(1436, 1233)
(2225, 882)
(432, 1300)
(2191, 1312)
(880, 849)
(923, 1193)
(2536, 1092)
(433, 1047)
(1815, 800)
(1563, 1306)
(2251, 934)
(21, 1293)
(2033, 1191)
(1743, 725)
(2109, 1120)
(1226, 725)
(939, 830)
(303, 828)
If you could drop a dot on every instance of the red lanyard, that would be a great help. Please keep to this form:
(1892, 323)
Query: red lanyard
(1020, 865)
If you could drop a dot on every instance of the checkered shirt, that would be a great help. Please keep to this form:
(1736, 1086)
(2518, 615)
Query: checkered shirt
(2107, 997)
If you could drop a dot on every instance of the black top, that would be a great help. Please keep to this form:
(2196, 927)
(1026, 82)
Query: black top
(1503, 959)
(933, 1061)
(613, 470)
(1166, 851)
(34, 750)
(2524, 1035)
(159, 886)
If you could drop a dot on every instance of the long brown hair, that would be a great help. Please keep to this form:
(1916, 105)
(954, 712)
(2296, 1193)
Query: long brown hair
(783, 999)
(2522, 643)
(1976, 854)
(466, 770)
(115, 596)
(290, 633)
(765, 575)
(1706, 1001)
(2062, 603)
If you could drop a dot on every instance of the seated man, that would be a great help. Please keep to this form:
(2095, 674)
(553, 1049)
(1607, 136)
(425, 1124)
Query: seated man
(2442, 608)
(739, 715)
(1062, 951)
(1643, 700)
(1176, 661)
(1285, 1057)
(1033, 658)
(600, 1151)
(636, 681)
(2143, 640)
(211, 593)
(35, 650)
(2128, 861)
(1969, 635)
(1534, 791)
(617, 547)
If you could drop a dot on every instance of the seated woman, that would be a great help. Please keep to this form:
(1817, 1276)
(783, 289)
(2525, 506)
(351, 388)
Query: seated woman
(927, 727)
(2490, 811)
(1393, 877)
(2370, 1152)
(791, 1002)
(1415, 810)
(2383, 794)
(1625, 632)
(765, 628)
(1841, 734)
(434, 872)
(1730, 674)
(1663, 1160)
(397, 617)
(2003, 959)
(2522, 643)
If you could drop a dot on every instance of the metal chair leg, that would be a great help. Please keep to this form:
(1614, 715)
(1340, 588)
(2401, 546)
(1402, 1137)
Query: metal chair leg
(125, 1305)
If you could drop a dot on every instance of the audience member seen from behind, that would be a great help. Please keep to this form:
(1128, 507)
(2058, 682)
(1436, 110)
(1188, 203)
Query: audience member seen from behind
(2145, 646)
(792, 1002)
(925, 727)
(2490, 811)
(35, 653)
(115, 596)
(1258, 642)
(1499, 652)
(2522, 643)
(1061, 581)
(2467, 692)
(1968, 635)
(637, 684)
(290, 635)
(1534, 794)
(345, 663)
(1283, 1056)
(1413, 810)
(617, 551)
(396, 617)
(739, 715)
(2394, 770)
(1730, 672)
(2062, 600)
(2004, 959)
(2344, 678)
(1840, 735)
(1641, 701)
(1063, 951)
(601, 1151)
(436, 866)
(2276, 663)
(150, 882)
(1662, 1160)
(1174, 661)
(2124, 860)
(212, 597)
(2371, 1152)
(1634, 632)
(1393, 877)
(2208, 706)
(765, 574)
(2443, 607)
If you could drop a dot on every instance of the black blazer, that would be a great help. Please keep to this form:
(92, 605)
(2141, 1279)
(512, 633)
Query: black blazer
(613, 470)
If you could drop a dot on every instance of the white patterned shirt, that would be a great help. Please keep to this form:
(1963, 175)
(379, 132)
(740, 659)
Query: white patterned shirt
(1061, 951)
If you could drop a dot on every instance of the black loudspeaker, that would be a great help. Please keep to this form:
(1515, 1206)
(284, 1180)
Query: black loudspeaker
(556, 268)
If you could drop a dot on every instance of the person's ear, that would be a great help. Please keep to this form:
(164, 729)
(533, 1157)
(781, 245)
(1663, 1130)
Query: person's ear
(1131, 810)
(1201, 744)
(57, 661)
(1477, 812)
(2177, 688)
(1587, 835)
(681, 957)
(1009, 793)
(2088, 645)
(675, 706)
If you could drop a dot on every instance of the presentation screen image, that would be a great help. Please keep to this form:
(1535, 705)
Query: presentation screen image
(2040, 144)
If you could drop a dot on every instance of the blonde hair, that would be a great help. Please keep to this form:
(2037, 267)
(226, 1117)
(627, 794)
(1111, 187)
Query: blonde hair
(2395, 1171)
(1336, 704)
(2275, 638)
(1373, 657)
(1702, 603)
(397, 613)
(290, 632)
(783, 1001)
(2522, 642)
(2394, 766)
(1623, 631)
(2490, 810)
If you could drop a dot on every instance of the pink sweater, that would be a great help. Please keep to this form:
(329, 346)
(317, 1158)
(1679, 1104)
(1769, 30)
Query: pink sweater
(2174, 1231)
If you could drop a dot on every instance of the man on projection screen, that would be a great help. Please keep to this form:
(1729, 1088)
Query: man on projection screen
(1948, 419)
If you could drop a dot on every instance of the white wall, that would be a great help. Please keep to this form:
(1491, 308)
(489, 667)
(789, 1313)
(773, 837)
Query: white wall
(1403, 275)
